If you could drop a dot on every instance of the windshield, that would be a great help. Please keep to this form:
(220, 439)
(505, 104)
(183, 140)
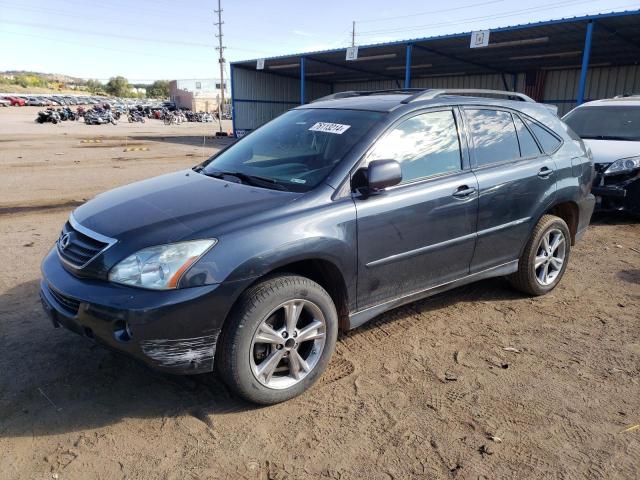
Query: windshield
(298, 149)
(606, 123)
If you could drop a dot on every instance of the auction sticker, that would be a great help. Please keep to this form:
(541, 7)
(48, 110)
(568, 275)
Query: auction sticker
(336, 128)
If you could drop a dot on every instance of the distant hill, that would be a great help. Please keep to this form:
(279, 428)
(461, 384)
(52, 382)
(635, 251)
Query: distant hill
(53, 77)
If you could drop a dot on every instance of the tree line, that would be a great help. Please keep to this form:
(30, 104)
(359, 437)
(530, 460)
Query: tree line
(117, 86)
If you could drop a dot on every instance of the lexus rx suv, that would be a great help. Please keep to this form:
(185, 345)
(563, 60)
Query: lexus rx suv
(611, 129)
(320, 220)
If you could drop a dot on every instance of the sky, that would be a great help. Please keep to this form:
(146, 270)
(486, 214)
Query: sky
(146, 40)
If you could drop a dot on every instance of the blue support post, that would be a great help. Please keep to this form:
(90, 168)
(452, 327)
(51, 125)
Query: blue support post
(585, 63)
(407, 67)
(233, 103)
(302, 92)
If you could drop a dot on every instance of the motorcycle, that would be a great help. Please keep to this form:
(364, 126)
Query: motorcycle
(135, 116)
(97, 117)
(67, 114)
(48, 115)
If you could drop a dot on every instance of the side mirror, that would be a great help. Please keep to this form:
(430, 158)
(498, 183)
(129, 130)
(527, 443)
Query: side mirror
(382, 174)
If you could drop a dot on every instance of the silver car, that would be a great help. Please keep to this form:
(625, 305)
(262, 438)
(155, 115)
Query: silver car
(611, 129)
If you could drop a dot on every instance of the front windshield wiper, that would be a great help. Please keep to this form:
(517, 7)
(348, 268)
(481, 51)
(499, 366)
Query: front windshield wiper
(254, 180)
(608, 137)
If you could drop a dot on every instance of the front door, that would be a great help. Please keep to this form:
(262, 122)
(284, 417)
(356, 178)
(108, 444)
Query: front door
(420, 233)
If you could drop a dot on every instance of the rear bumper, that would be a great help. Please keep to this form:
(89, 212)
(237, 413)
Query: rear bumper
(585, 210)
(172, 330)
(621, 192)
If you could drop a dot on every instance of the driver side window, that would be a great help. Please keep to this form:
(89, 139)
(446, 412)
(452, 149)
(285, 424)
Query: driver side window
(425, 145)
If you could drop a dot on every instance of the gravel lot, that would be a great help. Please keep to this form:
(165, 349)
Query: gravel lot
(480, 382)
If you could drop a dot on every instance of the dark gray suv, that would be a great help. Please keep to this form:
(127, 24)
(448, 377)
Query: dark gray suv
(316, 222)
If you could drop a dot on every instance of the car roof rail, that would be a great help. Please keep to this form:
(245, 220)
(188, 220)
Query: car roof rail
(430, 94)
(364, 93)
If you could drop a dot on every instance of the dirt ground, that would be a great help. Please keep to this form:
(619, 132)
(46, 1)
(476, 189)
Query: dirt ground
(480, 382)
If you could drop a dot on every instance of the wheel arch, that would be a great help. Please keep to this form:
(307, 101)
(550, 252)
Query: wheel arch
(326, 274)
(320, 270)
(570, 213)
(567, 210)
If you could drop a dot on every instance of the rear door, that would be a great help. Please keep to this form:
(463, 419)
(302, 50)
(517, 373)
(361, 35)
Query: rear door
(515, 179)
(420, 233)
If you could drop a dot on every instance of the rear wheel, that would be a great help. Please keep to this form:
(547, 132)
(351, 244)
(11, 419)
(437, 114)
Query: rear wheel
(545, 257)
(278, 340)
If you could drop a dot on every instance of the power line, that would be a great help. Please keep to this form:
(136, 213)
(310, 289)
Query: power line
(66, 14)
(102, 47)
(432, 12)
(548, 6)
(102, 34)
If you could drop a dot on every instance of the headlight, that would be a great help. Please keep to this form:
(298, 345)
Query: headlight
(160, 267)
(623, 165)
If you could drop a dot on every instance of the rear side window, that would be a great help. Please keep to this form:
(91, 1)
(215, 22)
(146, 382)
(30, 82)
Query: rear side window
(424, 145)
(549, 142)
(494, 136)
(528, 146)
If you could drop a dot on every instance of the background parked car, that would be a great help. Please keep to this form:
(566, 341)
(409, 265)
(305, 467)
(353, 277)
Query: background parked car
(14, 101)
(38, 102)
(611, 129)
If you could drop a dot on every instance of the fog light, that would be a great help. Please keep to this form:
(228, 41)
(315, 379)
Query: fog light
(122, 331)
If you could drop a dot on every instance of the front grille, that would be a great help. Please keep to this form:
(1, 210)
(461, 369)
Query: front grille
(78, 249)
(71, 305)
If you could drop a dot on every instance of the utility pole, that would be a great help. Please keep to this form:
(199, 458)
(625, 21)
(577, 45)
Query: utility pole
(353, 33)
(221, 61)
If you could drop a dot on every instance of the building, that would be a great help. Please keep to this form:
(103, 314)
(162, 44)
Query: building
(562, 62)
(196, 94)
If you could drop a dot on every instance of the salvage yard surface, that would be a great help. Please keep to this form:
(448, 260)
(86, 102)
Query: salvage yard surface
(480, 382)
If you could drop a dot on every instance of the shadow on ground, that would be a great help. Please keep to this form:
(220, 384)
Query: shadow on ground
(55, 381)
(194, 140)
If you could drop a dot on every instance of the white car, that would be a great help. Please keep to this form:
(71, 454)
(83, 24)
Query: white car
(4, 103)
(611, 129)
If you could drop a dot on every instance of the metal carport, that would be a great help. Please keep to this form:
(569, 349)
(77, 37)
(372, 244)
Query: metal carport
(562, 62)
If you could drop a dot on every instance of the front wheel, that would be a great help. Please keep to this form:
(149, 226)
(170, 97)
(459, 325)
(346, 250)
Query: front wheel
(278, 340)
(545, 257)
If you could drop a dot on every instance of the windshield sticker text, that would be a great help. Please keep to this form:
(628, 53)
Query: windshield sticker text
(336, 128)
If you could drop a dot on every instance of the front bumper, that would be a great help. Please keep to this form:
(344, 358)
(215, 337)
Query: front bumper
(617, 192)
(171, 330)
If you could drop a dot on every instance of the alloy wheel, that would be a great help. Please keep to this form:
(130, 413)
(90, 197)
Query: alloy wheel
(288, 344)
(550, 256)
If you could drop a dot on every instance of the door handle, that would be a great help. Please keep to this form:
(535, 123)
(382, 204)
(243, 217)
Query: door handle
(464, 191)
(545, 172)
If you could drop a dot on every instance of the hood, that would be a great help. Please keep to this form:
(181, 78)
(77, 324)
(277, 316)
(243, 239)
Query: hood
(174, 207)
(608, 151)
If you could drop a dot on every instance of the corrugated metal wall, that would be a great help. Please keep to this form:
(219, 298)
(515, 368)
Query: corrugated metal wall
(489, 81)
(260, 96)
(561, 86)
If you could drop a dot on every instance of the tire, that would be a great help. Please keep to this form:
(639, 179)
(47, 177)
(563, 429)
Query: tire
(532, 279)
(241, 356)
